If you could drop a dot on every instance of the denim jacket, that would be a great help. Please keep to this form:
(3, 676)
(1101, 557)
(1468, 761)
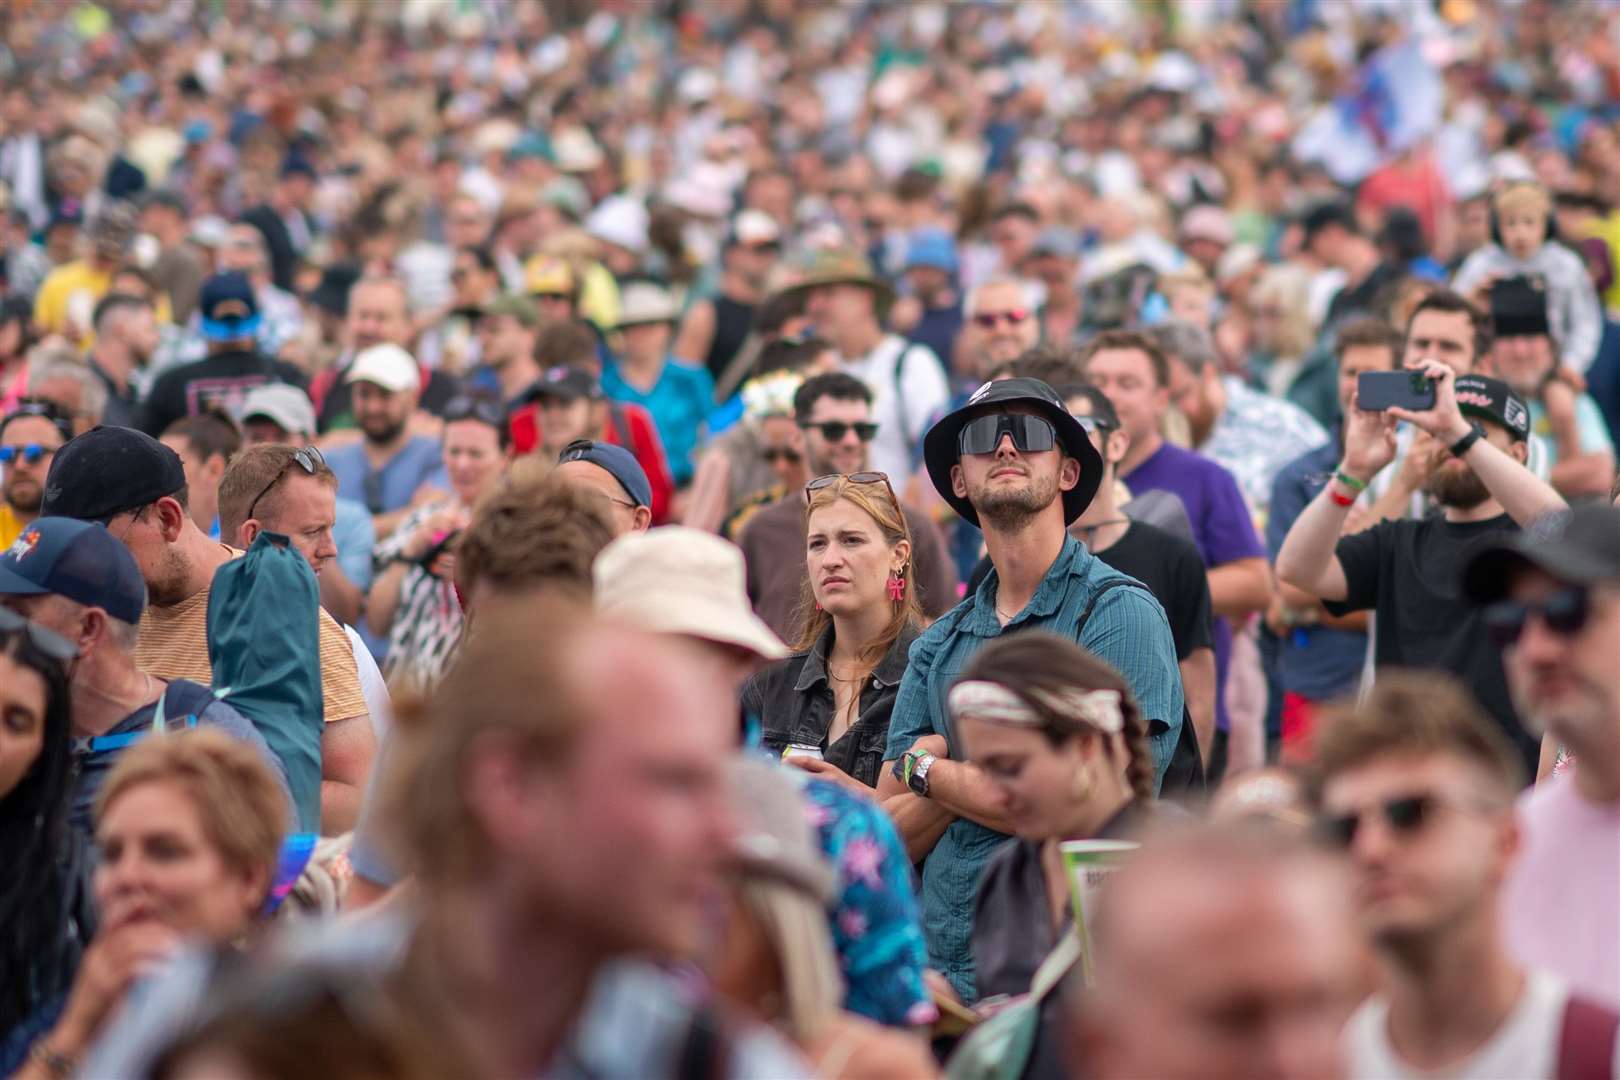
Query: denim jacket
(793, 699)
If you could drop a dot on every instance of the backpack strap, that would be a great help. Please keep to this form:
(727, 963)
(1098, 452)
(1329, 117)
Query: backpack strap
(1104, 589)
(621, 426)
(1586, 1041)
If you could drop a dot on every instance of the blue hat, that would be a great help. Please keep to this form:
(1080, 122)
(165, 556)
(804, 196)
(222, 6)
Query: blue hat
(228, 308)
(618, 461)
(932, 247)
(79, 560)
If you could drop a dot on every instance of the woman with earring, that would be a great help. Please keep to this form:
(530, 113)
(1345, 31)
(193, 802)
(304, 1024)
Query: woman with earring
(1059, 734)
(826, 708)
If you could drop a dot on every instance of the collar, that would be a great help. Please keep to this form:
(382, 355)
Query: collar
(1073, 561)
(888, 672)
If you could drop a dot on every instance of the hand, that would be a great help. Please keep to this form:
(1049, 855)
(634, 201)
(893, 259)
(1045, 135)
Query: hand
(1369, 443)
(115, 960)
(1277, 616)
(933, 744)
(1444, 420)
(1422, 458)
(432, 530)
(828, 771)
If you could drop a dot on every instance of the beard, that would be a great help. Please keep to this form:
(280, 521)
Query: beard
(24, 495)
(382, 429)
(1010, 510)
(1460, 490)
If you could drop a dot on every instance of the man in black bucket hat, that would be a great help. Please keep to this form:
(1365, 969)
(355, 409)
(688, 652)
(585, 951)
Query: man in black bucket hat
(1014, 462)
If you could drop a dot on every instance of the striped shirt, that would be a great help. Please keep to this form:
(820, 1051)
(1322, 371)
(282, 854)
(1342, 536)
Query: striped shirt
(173, 644)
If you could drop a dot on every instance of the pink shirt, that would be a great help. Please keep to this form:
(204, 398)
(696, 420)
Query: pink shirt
(1561, 906)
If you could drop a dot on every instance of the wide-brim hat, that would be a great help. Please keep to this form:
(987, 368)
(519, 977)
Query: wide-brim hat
(940, 449)
(842, 266)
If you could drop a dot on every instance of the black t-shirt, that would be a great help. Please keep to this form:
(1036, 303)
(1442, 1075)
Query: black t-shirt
(1409, 574)
(1360, 299)
(1173, 571)
(222, 381)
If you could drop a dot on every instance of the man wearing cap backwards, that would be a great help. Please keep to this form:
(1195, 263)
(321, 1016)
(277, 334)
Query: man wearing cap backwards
(1016, 463)
(847, 303)
(679, 395)
(30, 436)
(613, 473)
(136, 487)
(390, 469)
(1405, 570)
(715, 327)
(233, 366)
(1551, 598)
(76, 579)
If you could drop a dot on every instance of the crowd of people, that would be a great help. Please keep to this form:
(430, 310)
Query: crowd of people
(762, 539)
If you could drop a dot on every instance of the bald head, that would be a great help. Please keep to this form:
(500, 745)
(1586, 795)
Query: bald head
(1220, 955)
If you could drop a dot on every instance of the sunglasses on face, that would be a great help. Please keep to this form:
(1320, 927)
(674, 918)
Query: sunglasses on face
(773, 454)
(989, 320)
(1404, 815)
(305, 457)
(1564, 613)
(29, 453)
(1030, 434)
(49, 642)
(855, 478)
(835, 430)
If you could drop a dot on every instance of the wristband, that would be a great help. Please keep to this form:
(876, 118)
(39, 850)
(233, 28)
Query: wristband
(1466, 443)
(1358, 486)
(1340, 499)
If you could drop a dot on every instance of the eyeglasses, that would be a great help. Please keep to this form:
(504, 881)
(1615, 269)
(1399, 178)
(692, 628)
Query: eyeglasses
(854, 478)
(1094, 424)
(29, 453)
(773, 454)
(49, 642)
(1030, 434)
(307, 458)
(1404, 814)
(989, 320)
(835, 430)
(1564, 613)
(466, 407)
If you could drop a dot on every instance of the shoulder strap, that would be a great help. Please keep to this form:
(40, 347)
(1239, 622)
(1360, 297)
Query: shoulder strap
(1102, 590)
(621, 426)
(1056, 965)
(1586, 1041)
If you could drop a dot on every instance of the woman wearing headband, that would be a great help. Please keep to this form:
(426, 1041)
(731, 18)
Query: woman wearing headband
(826, 708)
(1058, 732)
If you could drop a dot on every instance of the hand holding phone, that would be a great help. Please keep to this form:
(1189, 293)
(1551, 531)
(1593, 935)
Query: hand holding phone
(1377, 391)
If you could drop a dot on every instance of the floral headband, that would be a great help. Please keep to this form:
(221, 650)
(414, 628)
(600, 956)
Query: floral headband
(989, 701)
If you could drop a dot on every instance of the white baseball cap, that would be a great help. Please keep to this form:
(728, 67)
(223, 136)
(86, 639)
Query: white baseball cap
(387, 366)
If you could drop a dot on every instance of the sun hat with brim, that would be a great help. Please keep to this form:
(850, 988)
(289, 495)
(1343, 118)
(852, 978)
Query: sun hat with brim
(842, 266)
(1578, 547)
(940, 445)
(679, 580)
(643, 302)
(774, 838)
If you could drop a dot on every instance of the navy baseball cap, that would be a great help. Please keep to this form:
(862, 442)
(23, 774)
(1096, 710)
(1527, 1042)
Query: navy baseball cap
(618, 461)
(107, 471)
(228, 307)
(57, 556)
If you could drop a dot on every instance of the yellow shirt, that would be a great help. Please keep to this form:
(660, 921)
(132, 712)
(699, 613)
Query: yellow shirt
(11, 527)
(68, 295)
(173, 644)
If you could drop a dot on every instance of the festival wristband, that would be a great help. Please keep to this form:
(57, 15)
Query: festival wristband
(1341, 499)
(1349, 481)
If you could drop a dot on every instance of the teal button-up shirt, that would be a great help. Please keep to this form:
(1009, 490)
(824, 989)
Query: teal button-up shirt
(1127, 628)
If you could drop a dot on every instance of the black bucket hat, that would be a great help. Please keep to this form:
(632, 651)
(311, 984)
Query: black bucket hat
(940, 445)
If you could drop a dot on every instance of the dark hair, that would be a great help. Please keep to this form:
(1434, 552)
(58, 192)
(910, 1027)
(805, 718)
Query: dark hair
(113, 303)
(1016, 209)
(33, 833)
(482, 255)
(210, 435)
(485, 409)
(1412, 713)
(834, 384)
(45, 410)
(1401, 236)
(1446, 300)
(788, 354)
(1365, 331)
(1052, 364)
(1134, 340)
(566, 342)
(1036, 663)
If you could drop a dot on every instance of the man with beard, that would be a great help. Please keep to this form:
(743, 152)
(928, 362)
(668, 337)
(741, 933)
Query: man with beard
(389, 470)
(1405, 570)
(29, 439)
(1014, 462)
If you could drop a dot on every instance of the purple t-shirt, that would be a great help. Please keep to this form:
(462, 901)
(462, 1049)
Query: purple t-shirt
(1221, 527)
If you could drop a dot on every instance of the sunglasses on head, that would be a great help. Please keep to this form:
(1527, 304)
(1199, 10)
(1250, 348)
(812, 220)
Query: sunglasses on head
(29, 453)
(463, 407)
(307, 458)
(855, 478)
(49, 642)
(835, 430)
(989, 320)
(773, 454)
(1404, 815)
(1564, 613)
(1030, 434)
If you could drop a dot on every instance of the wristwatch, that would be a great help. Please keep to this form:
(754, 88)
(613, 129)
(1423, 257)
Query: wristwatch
(1466, 443)
(917, 774)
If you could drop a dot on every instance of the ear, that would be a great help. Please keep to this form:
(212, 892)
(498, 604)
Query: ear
(499, 786)
(93, 631)
(900, 555)
(253, 888)
(1068, 474)
(958, 484)
(247, 532)
(171, 518)
(643, 519)
(1519, 451)
(1116, 446)
(215, 467)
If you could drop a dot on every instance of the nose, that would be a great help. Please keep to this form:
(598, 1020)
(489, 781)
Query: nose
(1006, 447)
(1538, 644)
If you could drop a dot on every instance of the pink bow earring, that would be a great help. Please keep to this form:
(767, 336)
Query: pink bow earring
(897, 587)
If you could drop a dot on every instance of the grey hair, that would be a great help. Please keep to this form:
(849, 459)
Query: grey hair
(62, 362)
(970, 306)
(1185, 342)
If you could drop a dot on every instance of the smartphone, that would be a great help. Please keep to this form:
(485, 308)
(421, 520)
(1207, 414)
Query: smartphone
(443, 544)
(793, 750)
(1380, 390)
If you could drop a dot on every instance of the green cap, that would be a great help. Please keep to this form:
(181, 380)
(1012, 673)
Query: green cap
(521, 308)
